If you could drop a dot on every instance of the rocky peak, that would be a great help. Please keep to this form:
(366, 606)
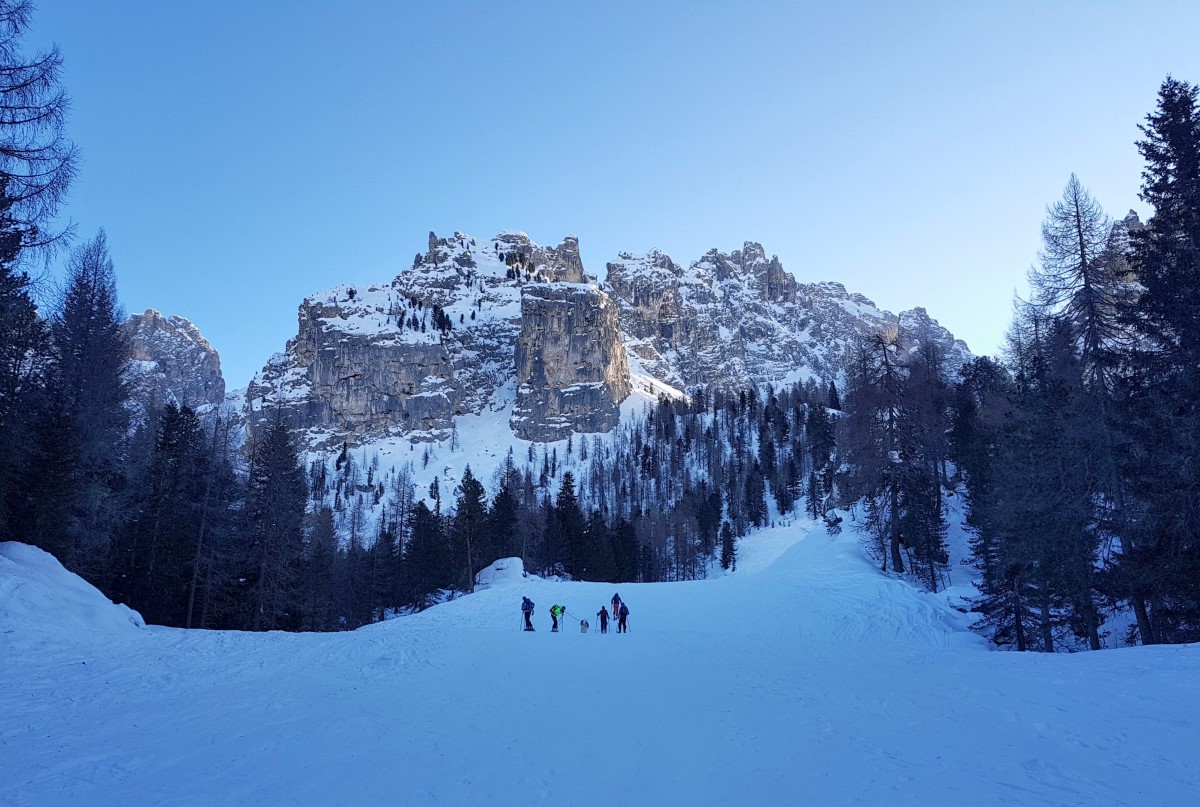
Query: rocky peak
(572, 372)
(739, 319)
(172, 362)
(478, 325)
(406, 357)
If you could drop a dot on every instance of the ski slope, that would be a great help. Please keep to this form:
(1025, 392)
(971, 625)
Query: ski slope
(804, 678)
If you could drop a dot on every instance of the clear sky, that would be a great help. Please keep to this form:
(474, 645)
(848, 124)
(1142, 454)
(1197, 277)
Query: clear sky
(242, 155)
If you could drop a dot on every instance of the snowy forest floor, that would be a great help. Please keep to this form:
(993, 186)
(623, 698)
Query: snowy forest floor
(804, 678)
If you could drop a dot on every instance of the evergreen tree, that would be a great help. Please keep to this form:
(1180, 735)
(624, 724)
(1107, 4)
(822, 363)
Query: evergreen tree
(625, 552)
(468, 526)
(503, 522)
(728, 550)
(427, 560)
(92, 352)
(317, 573)
(1158, 568)
(569, 522)
(160, 554)
(601, 562)
(275, 503)
(24, 345)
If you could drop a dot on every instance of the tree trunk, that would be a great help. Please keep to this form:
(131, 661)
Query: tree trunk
(1143, 620)
(1093, 622)
(1018, 617)
(1047, 633)
(199, 550)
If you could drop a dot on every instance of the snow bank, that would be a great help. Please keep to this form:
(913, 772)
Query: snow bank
(39, 600)
(504, 572)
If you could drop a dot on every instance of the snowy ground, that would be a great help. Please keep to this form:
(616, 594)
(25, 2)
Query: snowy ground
(805, 678)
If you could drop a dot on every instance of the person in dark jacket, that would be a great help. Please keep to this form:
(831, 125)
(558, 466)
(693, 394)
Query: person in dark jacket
(616, 604)
(603, 614)
(622, 621)
(527, 610)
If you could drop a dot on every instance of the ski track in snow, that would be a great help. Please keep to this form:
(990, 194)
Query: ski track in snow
(804, 678)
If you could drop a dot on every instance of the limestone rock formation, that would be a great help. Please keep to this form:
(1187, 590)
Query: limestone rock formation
(738, 319)
(508, 324)
(406, 357)
(572, 373)
(172, 362)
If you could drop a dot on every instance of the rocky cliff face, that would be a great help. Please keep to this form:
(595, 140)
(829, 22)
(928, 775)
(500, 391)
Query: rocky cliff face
(738, 319)
(405, 357)
(571, 368)
(509, 324)
(172, 362)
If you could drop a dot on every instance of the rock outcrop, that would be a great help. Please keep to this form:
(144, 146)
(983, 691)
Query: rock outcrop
(738, 319)
(508, 323)
(406, 357)
(572, 373)
(172, 362)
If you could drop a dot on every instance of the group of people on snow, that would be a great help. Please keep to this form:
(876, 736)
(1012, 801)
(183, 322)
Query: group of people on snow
(620, 612)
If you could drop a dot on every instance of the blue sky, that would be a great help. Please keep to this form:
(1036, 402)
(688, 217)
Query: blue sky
(243, 155)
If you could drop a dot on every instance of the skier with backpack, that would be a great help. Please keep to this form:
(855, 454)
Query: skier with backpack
(616, 604)
(555, 612)
(622, 623)
(527, 610)
(603, 614)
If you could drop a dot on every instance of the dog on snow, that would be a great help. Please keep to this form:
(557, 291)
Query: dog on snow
(583, 626)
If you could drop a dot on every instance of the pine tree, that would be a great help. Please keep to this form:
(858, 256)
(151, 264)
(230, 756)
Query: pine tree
(625, 552)
(1159, 564)
(468, 526)
(503, 523)
(24, 343)
(160, 554)
(427, 560)
(89, 380)
(728, 550)
(569, 523)
(275, 503)
(317, 573)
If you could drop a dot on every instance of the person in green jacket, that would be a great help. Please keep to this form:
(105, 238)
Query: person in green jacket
(555, 612)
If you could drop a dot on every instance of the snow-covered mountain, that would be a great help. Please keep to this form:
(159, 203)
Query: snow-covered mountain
(171, 362)
(508, 325)
(740, 319)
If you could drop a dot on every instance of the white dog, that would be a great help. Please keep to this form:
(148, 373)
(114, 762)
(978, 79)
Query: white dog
(583, 626)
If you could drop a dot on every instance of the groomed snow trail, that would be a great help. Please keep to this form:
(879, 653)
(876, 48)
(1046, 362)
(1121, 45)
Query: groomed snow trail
(805, 678)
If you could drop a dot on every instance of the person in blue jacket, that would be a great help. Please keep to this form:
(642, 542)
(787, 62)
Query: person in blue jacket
(527, 610)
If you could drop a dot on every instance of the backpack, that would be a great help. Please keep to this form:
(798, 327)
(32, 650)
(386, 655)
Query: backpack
(624, 610)
(526, 604)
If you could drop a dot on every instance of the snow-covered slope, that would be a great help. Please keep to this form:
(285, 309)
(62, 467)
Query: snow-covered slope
(804, 678)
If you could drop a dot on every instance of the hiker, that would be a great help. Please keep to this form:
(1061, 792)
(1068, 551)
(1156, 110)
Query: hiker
(555, 612)
(622, 626)
(603, 614)
(616, 604)
(527, 610)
